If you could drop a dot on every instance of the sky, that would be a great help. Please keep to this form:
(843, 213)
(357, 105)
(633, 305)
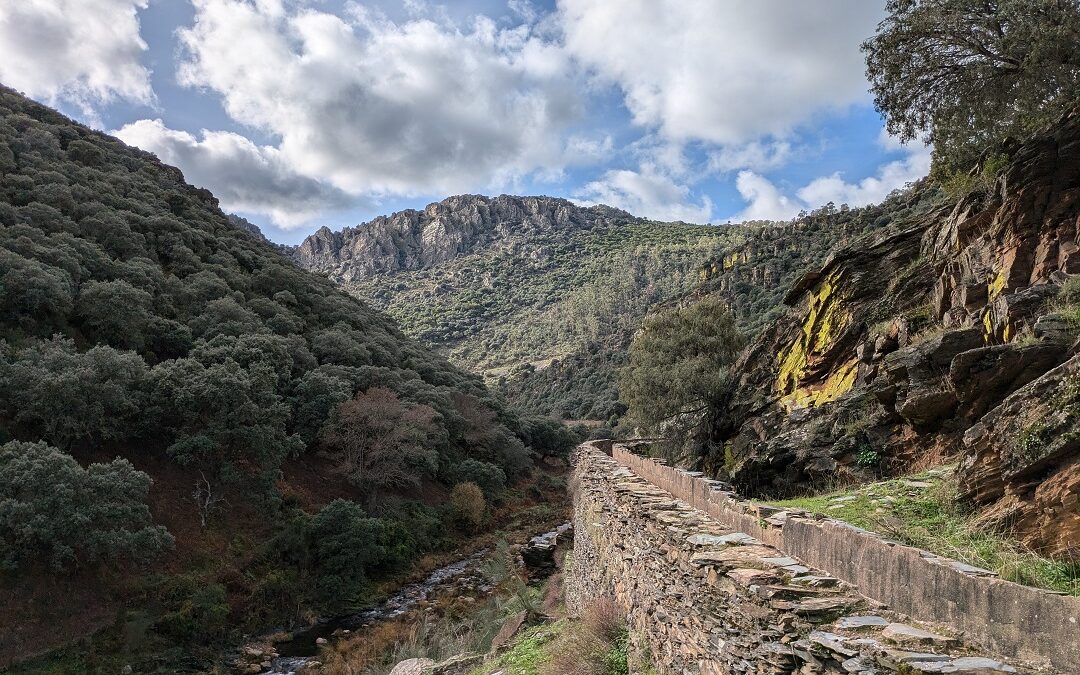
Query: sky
(304, 113)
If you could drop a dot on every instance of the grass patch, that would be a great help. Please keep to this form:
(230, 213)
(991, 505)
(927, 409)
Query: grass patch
(930, 518)
(596, 644)
(529, 653)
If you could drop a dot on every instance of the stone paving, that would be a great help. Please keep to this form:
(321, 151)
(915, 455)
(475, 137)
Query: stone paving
(702, 598)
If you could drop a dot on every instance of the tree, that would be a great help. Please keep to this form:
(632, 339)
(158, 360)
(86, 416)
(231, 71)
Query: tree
(485, 475)
(206, 499)
(223, 416)
(469, 505)
(346, 546)
(53, 391)
(969, 73)
(679, 366)
(383, 442)
(116, 313)
(54, 510)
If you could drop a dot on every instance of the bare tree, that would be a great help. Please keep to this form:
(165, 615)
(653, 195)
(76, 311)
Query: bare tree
(206, 500)
(383, 442)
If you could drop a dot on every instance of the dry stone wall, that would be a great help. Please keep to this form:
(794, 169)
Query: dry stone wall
(701, 596)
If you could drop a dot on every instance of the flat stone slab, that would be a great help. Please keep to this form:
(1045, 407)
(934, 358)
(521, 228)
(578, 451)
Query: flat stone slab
(815, 581)
(832, 642)
(779, 561)
(971, 569)
(903, 634)
(734, 556)
(751, 577)
(815, 607)
(859, 622)
(896, 656)
(965, 665)
(733, 539)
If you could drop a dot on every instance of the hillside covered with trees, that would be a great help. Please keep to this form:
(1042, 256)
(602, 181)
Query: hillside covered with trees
(194, 428)
(511, 286)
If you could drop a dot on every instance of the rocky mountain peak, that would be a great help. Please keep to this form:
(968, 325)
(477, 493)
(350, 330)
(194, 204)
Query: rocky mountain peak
(456, 226)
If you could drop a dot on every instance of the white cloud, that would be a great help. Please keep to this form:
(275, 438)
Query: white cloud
(755, 155)
(243, 176)
(84, 52)
(871, 189)
(646, 193)
(766, 201)
(377, 107)
(724, 72)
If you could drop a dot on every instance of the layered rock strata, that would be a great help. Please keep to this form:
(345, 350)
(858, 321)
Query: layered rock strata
(918, 345)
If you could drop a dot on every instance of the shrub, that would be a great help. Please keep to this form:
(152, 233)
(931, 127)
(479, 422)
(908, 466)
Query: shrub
(679, 365)
(53, 510)
(488, 477)
(346, 546)
(195, 610)
(469, 505)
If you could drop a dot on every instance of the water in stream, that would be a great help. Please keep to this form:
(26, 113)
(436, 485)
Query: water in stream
(303, 646)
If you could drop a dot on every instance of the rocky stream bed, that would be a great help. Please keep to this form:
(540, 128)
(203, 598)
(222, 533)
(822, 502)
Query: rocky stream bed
(466, 576)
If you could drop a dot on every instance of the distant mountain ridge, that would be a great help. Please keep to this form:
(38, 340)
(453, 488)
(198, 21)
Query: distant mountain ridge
(509, 286)
(413, 240)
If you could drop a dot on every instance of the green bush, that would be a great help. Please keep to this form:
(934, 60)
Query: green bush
(54, 511)
(679, 365)
(195, 610)
(488, 477)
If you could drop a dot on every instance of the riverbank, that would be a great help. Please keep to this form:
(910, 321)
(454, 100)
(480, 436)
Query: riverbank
(457, 608)
(440, 586)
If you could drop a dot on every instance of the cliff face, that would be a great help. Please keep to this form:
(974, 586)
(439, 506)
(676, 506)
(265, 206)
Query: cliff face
(416, 240)
(942, 337)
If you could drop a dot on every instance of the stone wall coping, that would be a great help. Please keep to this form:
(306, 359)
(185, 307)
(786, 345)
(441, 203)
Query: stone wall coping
(1016, 621)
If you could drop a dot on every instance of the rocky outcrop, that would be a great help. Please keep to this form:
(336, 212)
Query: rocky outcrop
(897, 347)
(456, 226)
(1022, 462)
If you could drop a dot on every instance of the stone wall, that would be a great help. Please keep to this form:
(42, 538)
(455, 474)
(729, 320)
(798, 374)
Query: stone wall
(1010, 620)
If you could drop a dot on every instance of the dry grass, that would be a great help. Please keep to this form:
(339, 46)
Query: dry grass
(596, 645)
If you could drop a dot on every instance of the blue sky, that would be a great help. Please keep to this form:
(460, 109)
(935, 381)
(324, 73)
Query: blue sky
(302, 113)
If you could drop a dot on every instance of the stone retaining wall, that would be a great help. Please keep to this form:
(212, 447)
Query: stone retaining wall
(1008, 619)
(700, 597)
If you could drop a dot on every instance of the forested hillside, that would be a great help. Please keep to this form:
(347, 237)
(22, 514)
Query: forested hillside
(750, 273)
(180, 405)
(511, 286)
(542, 297)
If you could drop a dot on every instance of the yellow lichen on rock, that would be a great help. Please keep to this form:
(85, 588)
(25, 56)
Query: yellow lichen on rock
(995, 287)
(825, 319)
(837, 384)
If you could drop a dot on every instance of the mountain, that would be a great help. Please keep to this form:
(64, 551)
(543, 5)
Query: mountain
(542, 296)
(513, 285)
(413, 240)
(186, 417)
(951, 333)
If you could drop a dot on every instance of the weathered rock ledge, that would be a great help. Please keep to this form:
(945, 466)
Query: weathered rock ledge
(702, 596)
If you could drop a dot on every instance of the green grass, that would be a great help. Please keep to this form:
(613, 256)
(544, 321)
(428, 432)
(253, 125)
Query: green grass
(529, 651)
(930, 518)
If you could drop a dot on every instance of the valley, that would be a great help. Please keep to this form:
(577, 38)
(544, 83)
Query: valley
(557, 433)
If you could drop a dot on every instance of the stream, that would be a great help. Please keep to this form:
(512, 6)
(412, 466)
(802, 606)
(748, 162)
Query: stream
(303, 645)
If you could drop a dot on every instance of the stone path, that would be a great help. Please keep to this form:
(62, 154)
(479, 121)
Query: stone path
(703, 598)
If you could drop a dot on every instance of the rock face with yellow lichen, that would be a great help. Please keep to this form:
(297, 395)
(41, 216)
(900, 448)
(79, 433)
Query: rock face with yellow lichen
(941, 337)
